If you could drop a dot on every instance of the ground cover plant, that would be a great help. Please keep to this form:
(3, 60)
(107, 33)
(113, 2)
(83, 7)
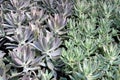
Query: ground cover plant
(59, 40)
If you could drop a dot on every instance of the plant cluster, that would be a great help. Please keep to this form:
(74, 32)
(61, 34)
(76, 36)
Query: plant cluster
(93, 47)
(31, 37)
(59, 40)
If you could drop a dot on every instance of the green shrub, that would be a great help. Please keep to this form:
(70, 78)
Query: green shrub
(93, 46)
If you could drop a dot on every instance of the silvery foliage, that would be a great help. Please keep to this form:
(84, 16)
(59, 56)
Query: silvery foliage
(28, 38)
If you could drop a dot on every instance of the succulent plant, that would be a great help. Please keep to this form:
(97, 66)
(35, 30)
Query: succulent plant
(65, 7)
(36, 15)
(25, 57)
(19, 5)
(13, 21)
(88, 70)
(45, 75)
(48, 44)
(57, 23)
(111, 53)
(22, 36)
